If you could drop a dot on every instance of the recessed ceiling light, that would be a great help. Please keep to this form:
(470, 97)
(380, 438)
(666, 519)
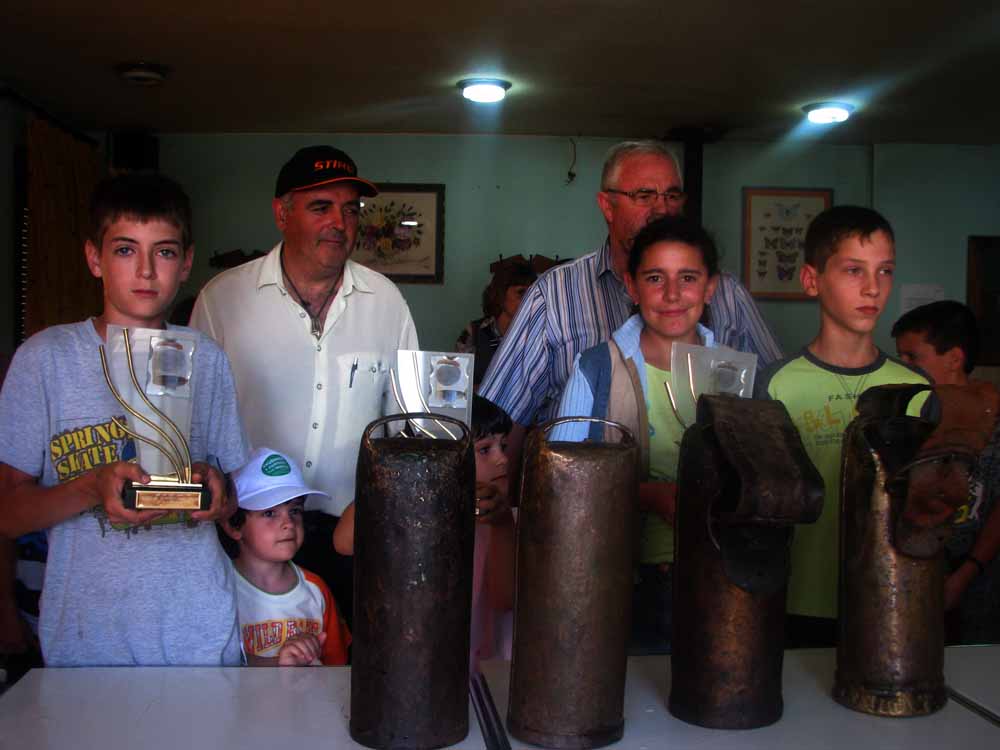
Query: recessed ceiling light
(484, 90)
(826, 113)
(142, 73)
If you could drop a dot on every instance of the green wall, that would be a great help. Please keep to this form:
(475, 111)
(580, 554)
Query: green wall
(936, 196)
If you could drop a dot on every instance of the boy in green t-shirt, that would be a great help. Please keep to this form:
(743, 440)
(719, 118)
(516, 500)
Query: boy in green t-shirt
(849, 263)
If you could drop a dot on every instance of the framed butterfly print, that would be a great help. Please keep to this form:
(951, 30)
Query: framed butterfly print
(774, 232)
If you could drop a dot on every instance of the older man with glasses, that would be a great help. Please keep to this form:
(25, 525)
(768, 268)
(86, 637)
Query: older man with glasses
(578, 305)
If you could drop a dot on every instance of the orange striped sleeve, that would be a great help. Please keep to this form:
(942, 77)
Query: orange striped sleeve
(338, 637)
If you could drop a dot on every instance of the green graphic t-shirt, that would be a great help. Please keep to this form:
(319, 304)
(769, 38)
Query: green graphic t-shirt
(821, 400)
(665, 432)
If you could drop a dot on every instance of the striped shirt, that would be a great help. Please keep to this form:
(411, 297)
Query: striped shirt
(738, 323)
(577, 305)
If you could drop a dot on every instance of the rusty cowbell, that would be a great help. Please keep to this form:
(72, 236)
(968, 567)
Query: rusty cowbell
(575, 542)
(744, 481)
(413, 541)
(902, 478)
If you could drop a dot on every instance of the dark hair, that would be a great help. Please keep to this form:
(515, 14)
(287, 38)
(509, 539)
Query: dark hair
(229, 545)
(831, 227)
(488, 419)
(674, 229)
(511, 274)
(142, 196)
(945, 324)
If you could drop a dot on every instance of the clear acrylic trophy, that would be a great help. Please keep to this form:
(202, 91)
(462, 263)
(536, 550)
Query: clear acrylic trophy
(696, 369)
(434, 383)
(149, 372)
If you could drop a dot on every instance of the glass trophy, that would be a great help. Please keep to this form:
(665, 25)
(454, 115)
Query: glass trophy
(696, 369)
(149, 372)
(435, 383)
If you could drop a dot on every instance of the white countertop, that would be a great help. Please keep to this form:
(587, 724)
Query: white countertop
(245, 709)
(811, 719)
(190, 707)
(974, 673)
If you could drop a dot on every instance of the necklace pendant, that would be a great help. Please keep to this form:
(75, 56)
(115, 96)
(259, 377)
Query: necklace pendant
(317, 328)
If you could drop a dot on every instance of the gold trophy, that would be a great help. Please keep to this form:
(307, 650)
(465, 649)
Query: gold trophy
(161, 407)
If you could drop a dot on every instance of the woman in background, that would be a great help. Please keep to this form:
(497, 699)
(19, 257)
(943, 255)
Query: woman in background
(500, 301)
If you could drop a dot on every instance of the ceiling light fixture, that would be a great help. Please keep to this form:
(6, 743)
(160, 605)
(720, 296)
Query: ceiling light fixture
(142, 73)
(484, 90)
(827, 113)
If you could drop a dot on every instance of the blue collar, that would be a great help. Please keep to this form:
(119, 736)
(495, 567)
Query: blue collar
(627, 338)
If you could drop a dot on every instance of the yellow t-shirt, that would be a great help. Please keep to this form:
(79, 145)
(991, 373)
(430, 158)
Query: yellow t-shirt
(822, 400)
(656, 544)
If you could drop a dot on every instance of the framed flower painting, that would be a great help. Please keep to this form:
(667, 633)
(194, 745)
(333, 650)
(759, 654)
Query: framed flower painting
(401, 233)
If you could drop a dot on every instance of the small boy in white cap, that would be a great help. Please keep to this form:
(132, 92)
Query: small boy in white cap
(287, 615)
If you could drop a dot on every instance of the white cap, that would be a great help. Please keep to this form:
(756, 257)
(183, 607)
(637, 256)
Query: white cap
(267, 479)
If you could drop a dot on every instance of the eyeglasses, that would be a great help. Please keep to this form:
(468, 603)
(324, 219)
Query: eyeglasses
(648, 196)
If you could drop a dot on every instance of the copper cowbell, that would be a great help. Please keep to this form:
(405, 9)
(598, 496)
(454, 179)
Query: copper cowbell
(575, 541)
(744, 480)
(890, 655)
(413, 542)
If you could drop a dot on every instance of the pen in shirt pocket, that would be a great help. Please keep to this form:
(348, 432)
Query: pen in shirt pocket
(354, 369)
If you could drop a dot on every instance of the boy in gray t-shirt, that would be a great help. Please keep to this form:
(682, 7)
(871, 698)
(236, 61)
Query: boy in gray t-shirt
(121, 587)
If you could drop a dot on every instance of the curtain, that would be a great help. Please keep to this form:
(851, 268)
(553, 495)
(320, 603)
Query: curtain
(62, 173)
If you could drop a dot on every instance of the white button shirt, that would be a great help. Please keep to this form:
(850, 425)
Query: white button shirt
(309, 398)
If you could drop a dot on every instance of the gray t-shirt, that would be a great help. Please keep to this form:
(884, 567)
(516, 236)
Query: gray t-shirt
(112, 596)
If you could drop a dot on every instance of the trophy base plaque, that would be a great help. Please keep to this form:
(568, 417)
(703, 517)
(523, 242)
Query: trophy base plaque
(166, 494)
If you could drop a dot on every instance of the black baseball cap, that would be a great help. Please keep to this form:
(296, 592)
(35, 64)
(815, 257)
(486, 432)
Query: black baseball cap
(313, 166)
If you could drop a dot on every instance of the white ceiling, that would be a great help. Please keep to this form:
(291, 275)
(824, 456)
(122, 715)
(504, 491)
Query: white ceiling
(919, 71)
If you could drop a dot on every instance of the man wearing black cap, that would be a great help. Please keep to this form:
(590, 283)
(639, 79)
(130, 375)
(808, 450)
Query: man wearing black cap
(311, 336)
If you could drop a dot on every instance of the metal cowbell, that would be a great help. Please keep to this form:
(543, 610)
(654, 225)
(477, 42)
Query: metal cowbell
(413, 544)
(744, 480)
(575, 550)
(902, 477)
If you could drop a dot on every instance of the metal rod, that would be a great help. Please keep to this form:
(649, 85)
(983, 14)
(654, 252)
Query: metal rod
(940, 457)
(973, 706)
(694, 396)
(172, 458)
(494, 734)
(185, 453)
(673, 405)
(423, 402)
(402, 406)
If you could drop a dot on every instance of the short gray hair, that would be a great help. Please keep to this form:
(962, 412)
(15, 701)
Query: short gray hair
(622, 151)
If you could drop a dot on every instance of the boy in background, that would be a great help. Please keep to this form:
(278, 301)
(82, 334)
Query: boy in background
(493, 558)
(942, 339)
(850, 258)
(122, 587)
(288, 617)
